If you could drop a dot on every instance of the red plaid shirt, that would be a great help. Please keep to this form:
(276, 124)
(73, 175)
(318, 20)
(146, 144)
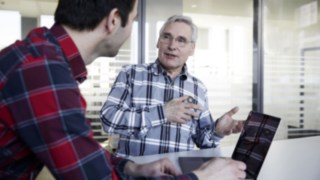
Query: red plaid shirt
(42, 111)
(42, 118)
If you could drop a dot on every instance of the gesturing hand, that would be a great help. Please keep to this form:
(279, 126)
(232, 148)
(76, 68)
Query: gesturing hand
(179, 110)
(227, 125)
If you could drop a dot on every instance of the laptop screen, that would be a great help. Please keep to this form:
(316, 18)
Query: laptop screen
(254, 141)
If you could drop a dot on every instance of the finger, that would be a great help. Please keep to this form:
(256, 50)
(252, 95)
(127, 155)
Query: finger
(239, 164)
(186, 117)
(167, 172)
(236, 130)
(182, 118)
(241, 174)
(193, 106)
(238, 127)
(179, 120)
(193, 114)
(242, 166)
(240, 124)
(183, 98)
(233, 111)
(169, 168)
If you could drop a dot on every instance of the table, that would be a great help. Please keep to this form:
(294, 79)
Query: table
(290, 159)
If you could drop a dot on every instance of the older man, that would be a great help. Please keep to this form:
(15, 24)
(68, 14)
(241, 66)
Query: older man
(160, 107)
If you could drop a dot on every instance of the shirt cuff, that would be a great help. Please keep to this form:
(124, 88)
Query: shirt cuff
(119, 167)
(216, 139)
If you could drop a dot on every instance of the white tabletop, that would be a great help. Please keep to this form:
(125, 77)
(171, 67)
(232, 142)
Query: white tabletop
(291, 159)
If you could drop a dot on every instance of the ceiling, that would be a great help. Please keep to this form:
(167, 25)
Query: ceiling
(219, 7)
(34, 8)
(30, 8)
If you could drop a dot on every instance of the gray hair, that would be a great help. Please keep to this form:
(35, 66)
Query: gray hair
(184, 19)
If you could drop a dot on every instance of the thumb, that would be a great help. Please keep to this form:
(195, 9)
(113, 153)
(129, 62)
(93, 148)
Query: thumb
(233, 111)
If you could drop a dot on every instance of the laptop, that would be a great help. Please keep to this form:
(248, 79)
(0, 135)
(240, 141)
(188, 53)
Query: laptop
(252, 146)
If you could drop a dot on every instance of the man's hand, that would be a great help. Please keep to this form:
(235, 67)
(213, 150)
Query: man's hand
(221, 169)
(179, 110)
(227, 125)
(162, 167)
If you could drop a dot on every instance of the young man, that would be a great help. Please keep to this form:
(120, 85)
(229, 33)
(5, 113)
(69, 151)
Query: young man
(148, 104)
(42, 113)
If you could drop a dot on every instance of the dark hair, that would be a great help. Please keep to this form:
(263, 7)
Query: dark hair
(87, 14)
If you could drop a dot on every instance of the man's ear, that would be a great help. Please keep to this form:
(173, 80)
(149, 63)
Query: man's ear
(113, 21)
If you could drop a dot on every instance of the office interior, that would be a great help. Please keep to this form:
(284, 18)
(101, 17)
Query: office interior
(261, 55)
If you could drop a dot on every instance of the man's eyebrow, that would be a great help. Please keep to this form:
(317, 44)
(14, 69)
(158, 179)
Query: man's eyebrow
(180, 37)
(166, 33)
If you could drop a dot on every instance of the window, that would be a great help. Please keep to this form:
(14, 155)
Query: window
(10, 30)
(292, 65)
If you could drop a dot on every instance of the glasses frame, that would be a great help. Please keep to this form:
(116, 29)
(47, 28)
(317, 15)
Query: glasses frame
(167, 38)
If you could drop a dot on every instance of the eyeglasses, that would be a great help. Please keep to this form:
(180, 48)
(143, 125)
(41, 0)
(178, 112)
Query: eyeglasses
(167, 38)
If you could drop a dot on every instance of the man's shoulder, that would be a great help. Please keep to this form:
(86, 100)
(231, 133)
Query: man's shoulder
(13, 56)
(194, 78)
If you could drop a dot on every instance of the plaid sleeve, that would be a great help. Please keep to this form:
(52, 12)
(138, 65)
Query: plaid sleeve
(205, 136)
(118, 115)
(50, 121)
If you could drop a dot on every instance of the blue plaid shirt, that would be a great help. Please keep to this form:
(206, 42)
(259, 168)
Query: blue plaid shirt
(134, 109)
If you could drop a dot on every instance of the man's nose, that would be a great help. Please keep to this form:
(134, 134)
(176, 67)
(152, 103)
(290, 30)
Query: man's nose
(173, 44)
